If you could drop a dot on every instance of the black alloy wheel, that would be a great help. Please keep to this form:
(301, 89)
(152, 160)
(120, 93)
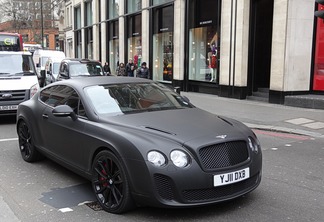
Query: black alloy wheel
(26, 143)
(110, 183)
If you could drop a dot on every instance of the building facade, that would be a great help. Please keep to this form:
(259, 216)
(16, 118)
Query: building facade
(229, 48)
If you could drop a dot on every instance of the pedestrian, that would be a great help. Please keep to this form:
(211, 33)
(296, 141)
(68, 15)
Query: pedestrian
(106, 69)
(121, 70)
(143, 71)
(130, 68)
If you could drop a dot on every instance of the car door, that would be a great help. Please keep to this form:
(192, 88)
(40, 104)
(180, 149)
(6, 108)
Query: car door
(64, 137)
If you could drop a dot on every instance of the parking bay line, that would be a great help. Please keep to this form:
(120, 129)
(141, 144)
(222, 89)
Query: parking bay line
(9, 139)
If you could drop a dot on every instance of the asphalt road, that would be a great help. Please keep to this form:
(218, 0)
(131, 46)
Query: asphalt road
(292, 187)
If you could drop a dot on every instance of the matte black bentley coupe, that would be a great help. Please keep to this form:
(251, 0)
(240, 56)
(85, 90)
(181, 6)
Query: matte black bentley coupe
(139, 143)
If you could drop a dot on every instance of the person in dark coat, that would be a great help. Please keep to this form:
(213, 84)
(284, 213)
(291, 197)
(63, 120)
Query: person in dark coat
(106, 69)
(143, 71)
(121, 70)
(130, 67)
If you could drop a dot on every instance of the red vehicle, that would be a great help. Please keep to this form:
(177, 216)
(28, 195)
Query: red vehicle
(11, 42)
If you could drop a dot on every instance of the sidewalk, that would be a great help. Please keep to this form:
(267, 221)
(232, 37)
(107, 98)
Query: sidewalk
(263, 115)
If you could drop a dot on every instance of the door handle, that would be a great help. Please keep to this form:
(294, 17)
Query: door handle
(45, 116)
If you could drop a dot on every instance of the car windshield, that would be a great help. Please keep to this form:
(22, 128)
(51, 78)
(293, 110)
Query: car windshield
(85, 69)
(133, 98)
(16, 65)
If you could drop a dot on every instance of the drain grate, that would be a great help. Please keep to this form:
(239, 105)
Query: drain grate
(94, 206)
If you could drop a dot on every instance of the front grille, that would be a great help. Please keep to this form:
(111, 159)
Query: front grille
(164, 186)
(222, 192)
(16, 95)
(223, 155)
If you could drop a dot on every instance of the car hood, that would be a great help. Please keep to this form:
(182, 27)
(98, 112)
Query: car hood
(18, 82)
(191, 126)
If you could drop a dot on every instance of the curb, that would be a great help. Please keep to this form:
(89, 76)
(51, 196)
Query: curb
(284, 130)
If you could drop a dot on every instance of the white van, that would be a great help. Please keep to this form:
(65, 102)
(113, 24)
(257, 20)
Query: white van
(18, 80)
(52, 68)
(40, 58)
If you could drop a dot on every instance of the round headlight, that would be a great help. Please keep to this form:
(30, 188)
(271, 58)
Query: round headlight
(156, 158)
(179, 158)
(254, 145)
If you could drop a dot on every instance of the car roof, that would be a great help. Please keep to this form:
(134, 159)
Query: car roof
(76, 60)
(81, 82)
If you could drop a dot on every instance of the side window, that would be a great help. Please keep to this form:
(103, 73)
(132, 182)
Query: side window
(52, 96)
(63, 95)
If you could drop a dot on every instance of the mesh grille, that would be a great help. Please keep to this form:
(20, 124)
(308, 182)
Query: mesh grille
(223, 154)
(164, 186)
(219, 192)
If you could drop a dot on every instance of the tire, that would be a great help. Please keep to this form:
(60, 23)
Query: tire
(26, 143)
(110, 184)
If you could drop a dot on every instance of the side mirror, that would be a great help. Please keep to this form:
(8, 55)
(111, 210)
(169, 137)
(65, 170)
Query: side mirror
(177, 89)
(186, 99)
(64, 111)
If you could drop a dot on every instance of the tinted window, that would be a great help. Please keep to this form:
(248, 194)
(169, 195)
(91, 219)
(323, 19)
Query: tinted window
(130, 98)
(62, 95)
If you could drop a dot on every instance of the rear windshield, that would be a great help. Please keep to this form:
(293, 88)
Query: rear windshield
(85, 69)
(16, 65)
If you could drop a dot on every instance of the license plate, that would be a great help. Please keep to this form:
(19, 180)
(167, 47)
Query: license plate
(232, 177)
(13, 107)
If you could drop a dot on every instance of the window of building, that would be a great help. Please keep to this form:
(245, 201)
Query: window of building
(159, 2)
(77, 33)
(88, 13)
(88, 30)
(77, 19)
(163, 44)
(113, 8)
(134, 41)
(134, 5)
(203, 40)
(113, 45)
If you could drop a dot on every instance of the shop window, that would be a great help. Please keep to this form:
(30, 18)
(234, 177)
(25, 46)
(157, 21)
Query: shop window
(203, 40)
(163, 44)
(89, 43)
(78, 44)
(113, 46)
(134, 5)
(135, 39)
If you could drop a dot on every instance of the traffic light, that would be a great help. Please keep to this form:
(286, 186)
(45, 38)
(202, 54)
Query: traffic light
(320, 12)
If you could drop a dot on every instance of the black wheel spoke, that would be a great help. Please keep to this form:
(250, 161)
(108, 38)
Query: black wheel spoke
(117, 195)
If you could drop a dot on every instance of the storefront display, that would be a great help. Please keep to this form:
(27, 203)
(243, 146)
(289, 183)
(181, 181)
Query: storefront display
(134, 41)
(163, 44)
(113, 45)
(203, 41)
